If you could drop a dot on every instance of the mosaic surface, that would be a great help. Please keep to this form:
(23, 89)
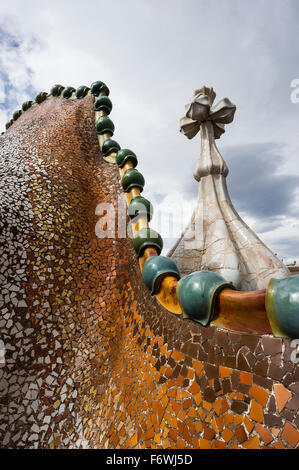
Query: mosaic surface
(92, 360)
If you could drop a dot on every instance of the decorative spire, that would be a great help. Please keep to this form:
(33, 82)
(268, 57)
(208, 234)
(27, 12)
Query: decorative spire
(199, 111)
(217, 239)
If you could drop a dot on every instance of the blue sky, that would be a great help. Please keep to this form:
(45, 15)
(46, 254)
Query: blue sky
(153, 55)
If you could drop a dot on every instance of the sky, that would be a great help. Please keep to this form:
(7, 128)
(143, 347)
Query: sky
(153, 55)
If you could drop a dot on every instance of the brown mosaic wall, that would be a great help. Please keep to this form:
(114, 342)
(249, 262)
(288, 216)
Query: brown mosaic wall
(92, 360)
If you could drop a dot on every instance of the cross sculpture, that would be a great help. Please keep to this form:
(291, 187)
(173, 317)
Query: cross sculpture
(221, 241)
(202, 115)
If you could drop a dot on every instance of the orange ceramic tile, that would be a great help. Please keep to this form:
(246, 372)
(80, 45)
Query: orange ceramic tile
(209, 417)
(224, 372)
(249, 424)
(245, 378)
(220, 445)
(233, 445)
(178, 394)
(194, 388)
(259, 394)
(181, 444)
(253, 443)
(173, 422)
(217, 406)
(187, 404)
(177, 355)
(166, 444)
(162, 425)
(214, 425)
(134, 440)
(173, 434)
(238, 419)
(196, 443)
(171, 383)
(202, 413)
(190, 425)
(207, 405)
(219, 421)
(148, 444)
(198, 426)
(198, 366)
(228, 418)
(183, 431)
(171, 393)
(224, 406)
(180, 380)
(282, 396)
(241, 434)
(275, 431)
(208, 433)
(264, 433)
(176, 407)
(167, 418)
(192, 412)
(185, 394)
(278, 445)
(164, 401)
(205, 444)
(239, 396)
(227, 435)
(256, 412)
(290, 434)
(149, 434)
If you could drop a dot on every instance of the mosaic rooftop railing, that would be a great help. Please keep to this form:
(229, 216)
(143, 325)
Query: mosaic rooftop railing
(92, 360)
(202, 296)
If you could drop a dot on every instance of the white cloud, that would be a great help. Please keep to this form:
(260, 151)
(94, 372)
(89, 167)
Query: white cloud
(3, 118)
(153, 55)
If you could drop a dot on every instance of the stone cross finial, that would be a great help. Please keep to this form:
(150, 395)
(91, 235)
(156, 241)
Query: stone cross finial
(217, 239)
(210, 120)
(201, 109)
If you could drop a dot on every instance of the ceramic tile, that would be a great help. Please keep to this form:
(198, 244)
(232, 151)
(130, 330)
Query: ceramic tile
(112, 369)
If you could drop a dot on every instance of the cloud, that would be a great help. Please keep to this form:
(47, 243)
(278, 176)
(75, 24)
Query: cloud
(152, 55)
(15, 76)
(255, 181)
(265, 198)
